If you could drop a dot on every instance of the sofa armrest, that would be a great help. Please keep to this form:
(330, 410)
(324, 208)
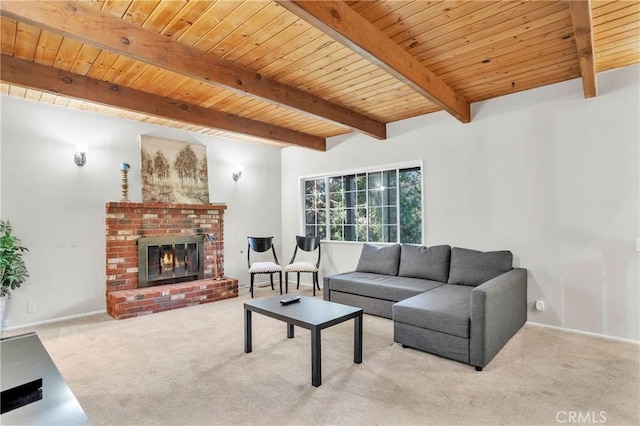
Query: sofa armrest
(498, 310)
(325, 288)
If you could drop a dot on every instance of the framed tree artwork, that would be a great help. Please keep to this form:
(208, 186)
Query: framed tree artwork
(173, 171)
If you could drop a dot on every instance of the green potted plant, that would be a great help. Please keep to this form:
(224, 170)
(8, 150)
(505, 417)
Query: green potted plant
(13, 271)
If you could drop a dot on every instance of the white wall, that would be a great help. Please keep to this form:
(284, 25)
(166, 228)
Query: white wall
(57, 208)
(547, 174)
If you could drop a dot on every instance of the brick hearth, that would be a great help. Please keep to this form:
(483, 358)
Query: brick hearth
(127, 222)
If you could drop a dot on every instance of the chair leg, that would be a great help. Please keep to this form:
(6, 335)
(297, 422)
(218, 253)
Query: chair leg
(298, 287)
(313, 283)
(317, 280)
(280, 273)
(251, 287)
(271, 279)
(286, 282)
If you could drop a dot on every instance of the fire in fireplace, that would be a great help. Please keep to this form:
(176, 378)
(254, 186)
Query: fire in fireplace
(168, 260)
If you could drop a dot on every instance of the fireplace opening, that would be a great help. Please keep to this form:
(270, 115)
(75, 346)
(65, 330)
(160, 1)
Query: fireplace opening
(169, 260)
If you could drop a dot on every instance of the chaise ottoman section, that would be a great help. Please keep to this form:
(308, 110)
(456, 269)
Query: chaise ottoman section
(445, 309)
(436, 321)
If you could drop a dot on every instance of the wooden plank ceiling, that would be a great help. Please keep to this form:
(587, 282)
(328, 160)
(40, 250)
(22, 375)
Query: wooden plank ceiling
(294, 73)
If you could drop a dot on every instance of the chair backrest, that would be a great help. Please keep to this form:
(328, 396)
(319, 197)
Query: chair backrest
(260, 245)
(307, 244)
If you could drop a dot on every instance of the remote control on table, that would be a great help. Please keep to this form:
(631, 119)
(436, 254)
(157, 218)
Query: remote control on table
(290, 300)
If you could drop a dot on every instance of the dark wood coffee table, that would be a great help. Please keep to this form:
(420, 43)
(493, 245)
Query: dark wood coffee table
(312, 314)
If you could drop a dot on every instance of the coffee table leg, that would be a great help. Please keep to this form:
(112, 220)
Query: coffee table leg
(316, 358)
(247, 331)
(290, 331)
(357, 340)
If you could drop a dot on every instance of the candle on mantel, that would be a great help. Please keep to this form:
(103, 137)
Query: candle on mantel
(124, 169)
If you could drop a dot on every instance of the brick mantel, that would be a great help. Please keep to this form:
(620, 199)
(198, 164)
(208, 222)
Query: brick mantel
(127, 222)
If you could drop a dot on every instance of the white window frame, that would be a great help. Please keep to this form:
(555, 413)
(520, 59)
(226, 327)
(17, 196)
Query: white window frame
(355, 171)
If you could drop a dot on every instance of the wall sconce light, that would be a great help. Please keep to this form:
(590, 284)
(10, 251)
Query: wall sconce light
(80, 157)
(237, 173)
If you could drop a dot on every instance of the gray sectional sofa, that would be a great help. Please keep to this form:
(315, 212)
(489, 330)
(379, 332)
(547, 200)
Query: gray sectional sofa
(454, 302)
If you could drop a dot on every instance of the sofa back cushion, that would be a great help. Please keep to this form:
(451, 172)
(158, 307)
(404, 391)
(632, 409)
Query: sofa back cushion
(379, 259)
(471, 267)
(430, 263)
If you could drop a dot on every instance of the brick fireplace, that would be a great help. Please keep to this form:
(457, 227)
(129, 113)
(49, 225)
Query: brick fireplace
(127, 223)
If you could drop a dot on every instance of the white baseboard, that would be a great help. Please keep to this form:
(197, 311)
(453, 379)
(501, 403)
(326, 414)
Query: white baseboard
(49, 321)
(586, 333)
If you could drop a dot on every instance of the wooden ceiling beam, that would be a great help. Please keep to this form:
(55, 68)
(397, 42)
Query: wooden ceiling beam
(583, 31)
(52, 80)
(341, 22)
(84, 23)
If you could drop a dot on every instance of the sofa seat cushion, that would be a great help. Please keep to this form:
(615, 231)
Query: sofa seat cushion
(386, 287)
(264, 268)
(301, 267)
(446, 309)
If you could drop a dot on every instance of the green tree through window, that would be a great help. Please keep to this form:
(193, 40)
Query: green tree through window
(375, 206)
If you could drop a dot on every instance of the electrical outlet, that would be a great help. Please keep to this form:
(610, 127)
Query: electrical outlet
(31, 307)
(539, 305)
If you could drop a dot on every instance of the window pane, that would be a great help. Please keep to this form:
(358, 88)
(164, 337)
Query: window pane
(321, 202)
(350, 199)
(375, 198)
(310, 231)
(361, 181)
(375, 233)
(336, 232)
(392, 234)
(361, 198)
(375, 216)
(361, 232)
(350, 216)
(310, 217)
(349, 233)
(335, 184)
(336, 216)
(392, 215)
(336, 199)
(350, 183)
(375, 180)
(390, 178)
(309, 186)
(309, 202)
(322, 232)
(390, 197)
(322, 217)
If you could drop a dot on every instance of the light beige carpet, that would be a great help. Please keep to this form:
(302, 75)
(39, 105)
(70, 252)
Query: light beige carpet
(188, 367)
